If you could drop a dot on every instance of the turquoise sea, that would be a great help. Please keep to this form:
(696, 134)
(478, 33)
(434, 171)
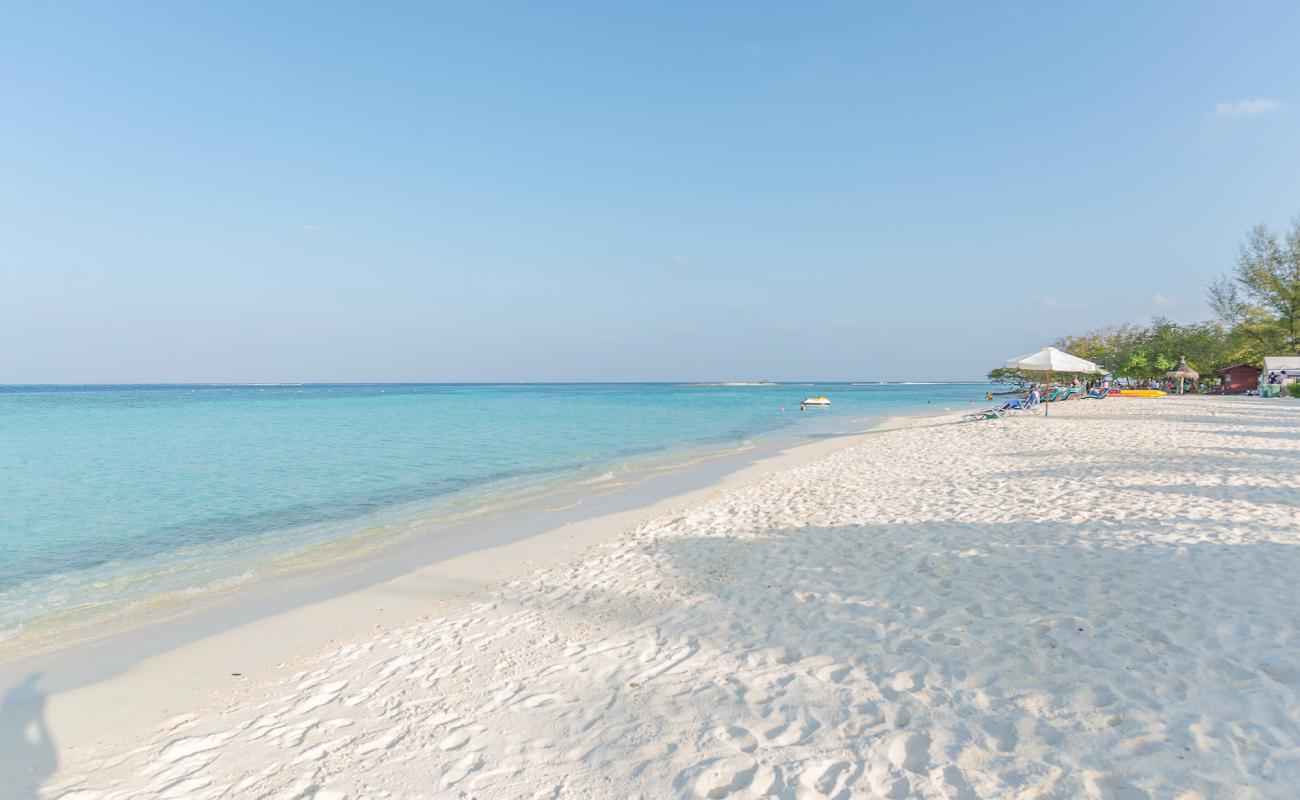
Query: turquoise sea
(114, 496)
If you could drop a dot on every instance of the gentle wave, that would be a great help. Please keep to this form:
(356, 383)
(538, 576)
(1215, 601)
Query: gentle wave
(126, 496)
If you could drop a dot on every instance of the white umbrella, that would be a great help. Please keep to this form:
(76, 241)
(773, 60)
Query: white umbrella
(1050, 360)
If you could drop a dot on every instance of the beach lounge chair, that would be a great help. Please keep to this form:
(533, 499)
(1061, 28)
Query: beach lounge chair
(988, 413)
(1017, 406)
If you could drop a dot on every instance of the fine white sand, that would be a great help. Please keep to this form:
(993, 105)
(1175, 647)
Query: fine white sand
(1103, 603)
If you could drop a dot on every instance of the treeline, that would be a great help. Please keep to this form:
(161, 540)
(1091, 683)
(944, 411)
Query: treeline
(1258, 309)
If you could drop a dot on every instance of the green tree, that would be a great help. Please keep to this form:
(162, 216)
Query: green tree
(1010, 377)
(1261, 298)
(1134, 364)
(1106, 347)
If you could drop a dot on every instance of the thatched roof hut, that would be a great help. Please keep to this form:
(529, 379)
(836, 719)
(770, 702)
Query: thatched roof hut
(1183, 371)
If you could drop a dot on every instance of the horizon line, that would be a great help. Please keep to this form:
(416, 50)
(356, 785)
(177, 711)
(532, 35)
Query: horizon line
(267, 384)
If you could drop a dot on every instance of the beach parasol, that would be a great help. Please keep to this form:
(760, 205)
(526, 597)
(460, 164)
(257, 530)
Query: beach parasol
(1050, 360)
(1183, 372)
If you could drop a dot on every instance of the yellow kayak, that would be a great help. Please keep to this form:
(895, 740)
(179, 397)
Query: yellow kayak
(1139, 393)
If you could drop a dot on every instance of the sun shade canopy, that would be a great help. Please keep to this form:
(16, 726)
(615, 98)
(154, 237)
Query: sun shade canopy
(1049, 359)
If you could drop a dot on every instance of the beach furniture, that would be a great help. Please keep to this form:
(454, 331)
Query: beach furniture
(1016, 406)
(1050, 360)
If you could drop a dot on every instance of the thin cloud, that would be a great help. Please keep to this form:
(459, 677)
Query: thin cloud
(1049, 303)
(1247, 108)
(1161, 300)
(311, 226)
(1057, 304)
(681, 261)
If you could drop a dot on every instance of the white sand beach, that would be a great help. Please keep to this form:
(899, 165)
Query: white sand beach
(1103, 603)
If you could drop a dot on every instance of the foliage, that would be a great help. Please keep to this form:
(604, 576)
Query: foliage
(1012, 377)
(1293, 389)
(1260, 300)
(1144, 353)
(1258, 309)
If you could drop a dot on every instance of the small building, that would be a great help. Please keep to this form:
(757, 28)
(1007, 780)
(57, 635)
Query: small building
(1238, 378)
(1286, 368)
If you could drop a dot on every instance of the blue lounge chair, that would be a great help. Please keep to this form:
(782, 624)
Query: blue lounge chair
(1017, 404)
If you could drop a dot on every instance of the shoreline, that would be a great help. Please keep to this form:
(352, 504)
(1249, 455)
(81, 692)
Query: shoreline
(233, 549)
(413, 530)
(1096, 603)
(92, 689)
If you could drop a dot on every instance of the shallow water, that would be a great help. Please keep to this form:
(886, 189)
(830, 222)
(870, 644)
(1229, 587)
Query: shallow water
(113, 496)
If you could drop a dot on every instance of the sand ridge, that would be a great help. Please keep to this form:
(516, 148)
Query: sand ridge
(1098, 604)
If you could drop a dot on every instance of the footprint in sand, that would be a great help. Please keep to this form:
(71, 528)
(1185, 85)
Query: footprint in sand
(1003, 734)
(720, 777)
(461, 769)
(937, 637)
(901, 716)
(891, 785)
(737, 738)
(865, 718)
(908, 681)
(827, 778)
(792, 731)
(455, 741)
(1097, 695)
(326, 695)
(911, 752)
(955, 785)
(1100, 786)
(540, 700)
(833, 673)
(772, 656)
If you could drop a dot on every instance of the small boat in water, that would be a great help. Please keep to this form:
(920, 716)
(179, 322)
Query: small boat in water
(816, 401)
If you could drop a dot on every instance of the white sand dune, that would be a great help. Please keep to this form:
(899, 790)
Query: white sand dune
(1103, 604)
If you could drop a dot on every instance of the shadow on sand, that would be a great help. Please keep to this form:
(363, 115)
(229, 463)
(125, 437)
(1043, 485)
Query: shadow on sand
(27, 754)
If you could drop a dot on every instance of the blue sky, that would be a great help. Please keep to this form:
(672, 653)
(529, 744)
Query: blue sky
(596, 191)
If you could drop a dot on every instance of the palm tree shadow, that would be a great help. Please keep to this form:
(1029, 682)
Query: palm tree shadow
(27, 754)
